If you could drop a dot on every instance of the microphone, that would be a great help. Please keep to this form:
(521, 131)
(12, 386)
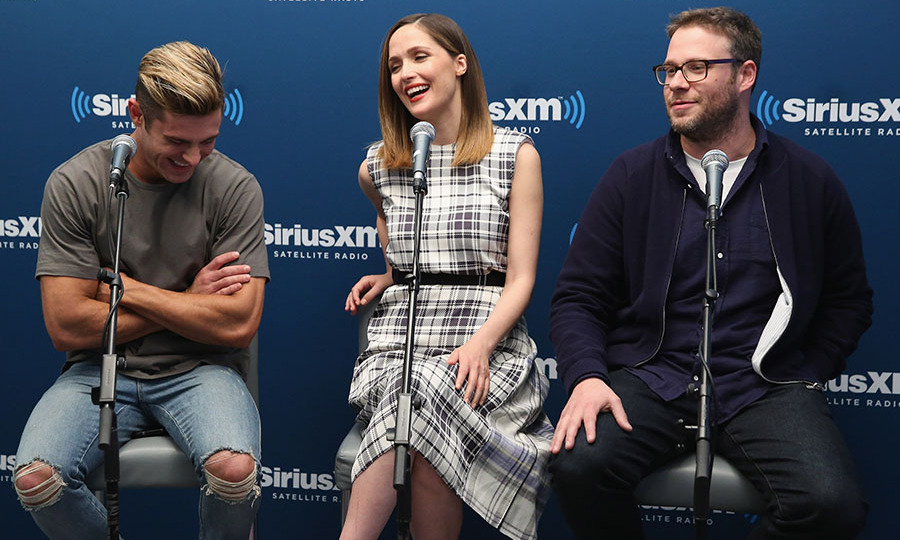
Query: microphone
(421, 134)
(714, 163)
(123, 149)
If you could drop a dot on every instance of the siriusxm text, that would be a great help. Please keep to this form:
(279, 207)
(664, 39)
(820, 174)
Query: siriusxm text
(835, 110)
(22, 226)
(351, 236)
(871, 382)
(295, 479)
(110, 105)
(526, 109)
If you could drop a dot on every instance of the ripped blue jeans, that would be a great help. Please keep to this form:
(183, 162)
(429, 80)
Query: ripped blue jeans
(205, 410)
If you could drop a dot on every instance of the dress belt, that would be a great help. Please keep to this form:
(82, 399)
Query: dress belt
(491, 279)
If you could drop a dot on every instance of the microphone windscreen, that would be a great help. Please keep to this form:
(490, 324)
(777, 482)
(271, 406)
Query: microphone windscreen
(125, 139)
(422, 128)
(714, 156)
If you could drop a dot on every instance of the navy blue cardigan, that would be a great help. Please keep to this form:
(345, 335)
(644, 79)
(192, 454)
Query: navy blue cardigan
(608, 307)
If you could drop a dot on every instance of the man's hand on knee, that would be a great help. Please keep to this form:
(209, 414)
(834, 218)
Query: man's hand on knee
(589, 398)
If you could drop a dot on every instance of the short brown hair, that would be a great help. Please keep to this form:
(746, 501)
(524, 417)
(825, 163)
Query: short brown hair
(181, 78)
(476, 133)
(738, 27)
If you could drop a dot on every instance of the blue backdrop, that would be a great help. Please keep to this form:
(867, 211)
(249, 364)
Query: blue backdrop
(301, 77)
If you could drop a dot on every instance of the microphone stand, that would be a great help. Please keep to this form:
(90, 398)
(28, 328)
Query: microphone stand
(705, 443)
(404, 399)
(105, 394)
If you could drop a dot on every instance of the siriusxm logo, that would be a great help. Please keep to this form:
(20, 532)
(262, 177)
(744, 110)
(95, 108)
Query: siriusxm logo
(871, 382)
(234, 107)
(84, 105)
(327, 244)
(571, 109)
(339, 236)
(7, 465)
(295, 479)
(298, 486)
(7, 462)
(766, 110)
(548, 366)
(770, 109)
(23, 226)
(682, 515)
(112, 105)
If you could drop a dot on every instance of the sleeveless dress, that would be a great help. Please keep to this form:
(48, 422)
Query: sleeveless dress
(493, 456)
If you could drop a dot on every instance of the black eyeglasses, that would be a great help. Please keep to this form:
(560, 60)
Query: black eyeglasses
(693, 70)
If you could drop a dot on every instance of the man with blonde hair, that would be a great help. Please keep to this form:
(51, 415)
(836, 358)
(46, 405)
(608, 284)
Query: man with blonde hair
(193, 268)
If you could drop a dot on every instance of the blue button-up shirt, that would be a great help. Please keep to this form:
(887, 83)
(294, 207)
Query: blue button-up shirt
(748, 287)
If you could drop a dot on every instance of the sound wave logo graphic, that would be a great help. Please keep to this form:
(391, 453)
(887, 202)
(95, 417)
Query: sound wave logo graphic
(114, 105)
(577, 109)
(537, 109)
(99, 104)
(234, 107)
(80, 104)
(766, 110)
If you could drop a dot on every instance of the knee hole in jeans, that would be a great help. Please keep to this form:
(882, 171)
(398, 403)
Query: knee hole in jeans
(231, 476)
(38, 485)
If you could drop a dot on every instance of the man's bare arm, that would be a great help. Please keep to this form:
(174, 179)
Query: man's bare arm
(75, 317)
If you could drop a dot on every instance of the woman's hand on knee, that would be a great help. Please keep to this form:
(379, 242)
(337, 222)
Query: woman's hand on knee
(473, 360)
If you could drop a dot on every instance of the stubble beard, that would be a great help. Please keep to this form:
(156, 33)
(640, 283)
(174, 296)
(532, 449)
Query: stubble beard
(713, 122)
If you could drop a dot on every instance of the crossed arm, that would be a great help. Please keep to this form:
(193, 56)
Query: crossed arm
(223, 306)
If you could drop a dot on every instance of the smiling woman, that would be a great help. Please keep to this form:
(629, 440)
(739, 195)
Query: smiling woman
(426, 78)
(417, 48)
(480, 436)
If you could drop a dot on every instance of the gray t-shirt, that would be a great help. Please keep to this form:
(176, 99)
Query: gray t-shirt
(170, 232)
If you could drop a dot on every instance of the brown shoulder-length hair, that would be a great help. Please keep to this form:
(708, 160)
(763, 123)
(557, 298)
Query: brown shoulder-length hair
(476, 133)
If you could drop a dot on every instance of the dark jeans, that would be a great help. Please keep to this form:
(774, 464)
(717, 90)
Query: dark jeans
(785, 443)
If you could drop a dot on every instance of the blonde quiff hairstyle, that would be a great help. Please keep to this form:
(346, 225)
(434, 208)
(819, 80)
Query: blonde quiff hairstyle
(181, 78)
(476, 132)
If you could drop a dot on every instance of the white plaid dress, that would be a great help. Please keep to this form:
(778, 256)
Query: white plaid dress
(494, 456)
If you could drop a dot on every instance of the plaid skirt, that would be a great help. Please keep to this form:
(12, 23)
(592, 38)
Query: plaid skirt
(493, 456)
